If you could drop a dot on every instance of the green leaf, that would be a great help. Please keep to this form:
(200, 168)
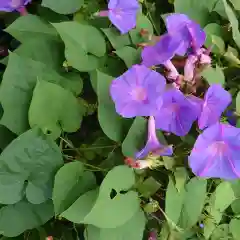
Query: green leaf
(129, 55)
(181, 176)
(115, 38)
(234, 23)
(22, 216)
(92, 233)
(219, 45)
(28, 164)
(236, 206)
(174, 202)
(80, 40)
(234, 228)
(194, 9)
(71, 181)
(62, 6)
(31, 27)
(196, 192)
(133, 229)
(142, 23)
(54, 109)
(221, 232)
(231, 55)
(212, 29)
(149, 187)
(238, 102)
(236, 4)
(114, 206)
(214, 75)
(111, 123)
(78, 211)
(19, 80)
(135, 137)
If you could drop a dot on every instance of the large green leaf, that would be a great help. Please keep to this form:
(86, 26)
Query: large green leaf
(135, 138)
(132, 229)
(195, 10)
(116, 204)
(63, 6)
(31, 27)
(78, 211)
(234, 23)
(84, 44)
(71, 181)
(54, 109)
(19, 80)
(174, 202)
(115, 38)
(129, 55)
(111, 123)
(19, 217)
(214, 75)
(194, 200)
(27, 167)
(234, 228)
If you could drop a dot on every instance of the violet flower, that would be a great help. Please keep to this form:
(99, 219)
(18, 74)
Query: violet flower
(177, 112)
(12, 5)
(216, 152)
(122, 14)
(153, 146)
(138, 92)
(216, 101)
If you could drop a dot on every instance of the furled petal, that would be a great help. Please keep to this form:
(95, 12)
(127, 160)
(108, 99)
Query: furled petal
(177, 113)
(12, 5)
(216, 152)
(190, 67)
(216, 101)
(161, 52)
(153, 146)
(138, 92)
(123, 14)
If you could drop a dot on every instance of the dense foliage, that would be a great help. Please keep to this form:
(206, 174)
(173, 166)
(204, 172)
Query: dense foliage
(120, 119)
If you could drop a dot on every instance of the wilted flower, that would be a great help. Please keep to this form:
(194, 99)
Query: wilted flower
(12, 5)
(138, 92)
(216, 152)
(216, 101)
(177, 113)
(122, 14)
(153, 146)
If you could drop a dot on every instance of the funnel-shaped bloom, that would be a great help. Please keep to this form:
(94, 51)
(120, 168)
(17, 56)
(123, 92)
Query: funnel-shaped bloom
(12, 5)
(216, 152)
(216, 101)
(138, 92)
(177, 113)
(153, 146)
(122, 14)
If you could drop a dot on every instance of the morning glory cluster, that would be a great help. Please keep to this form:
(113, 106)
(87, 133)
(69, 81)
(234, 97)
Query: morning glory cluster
(171, 106)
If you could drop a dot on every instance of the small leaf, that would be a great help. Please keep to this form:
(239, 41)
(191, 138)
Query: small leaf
(149, 187)
(236, 206)
(111, 123)
(174, 202)
(221, 232)
(214, 75)
(135, 137)
(80, 40)
(62, 6)
(219, 44)
(71, 181)
(31, 27)
(129, 55)
(234, 23)
(234, 228)
(63, 114)
(116, 204)
(193, 202)
(22, 216)
(117, 40)
(23, 167)
(231, 55)
(180, 178)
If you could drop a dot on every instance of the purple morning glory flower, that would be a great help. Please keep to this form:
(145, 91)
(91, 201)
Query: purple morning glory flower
(216, 101)
(231, 117)
(188, 33)
(153, 146)
(138, 92)
(216, 152)
(12, 5)
(177, 112)
(122, 14)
